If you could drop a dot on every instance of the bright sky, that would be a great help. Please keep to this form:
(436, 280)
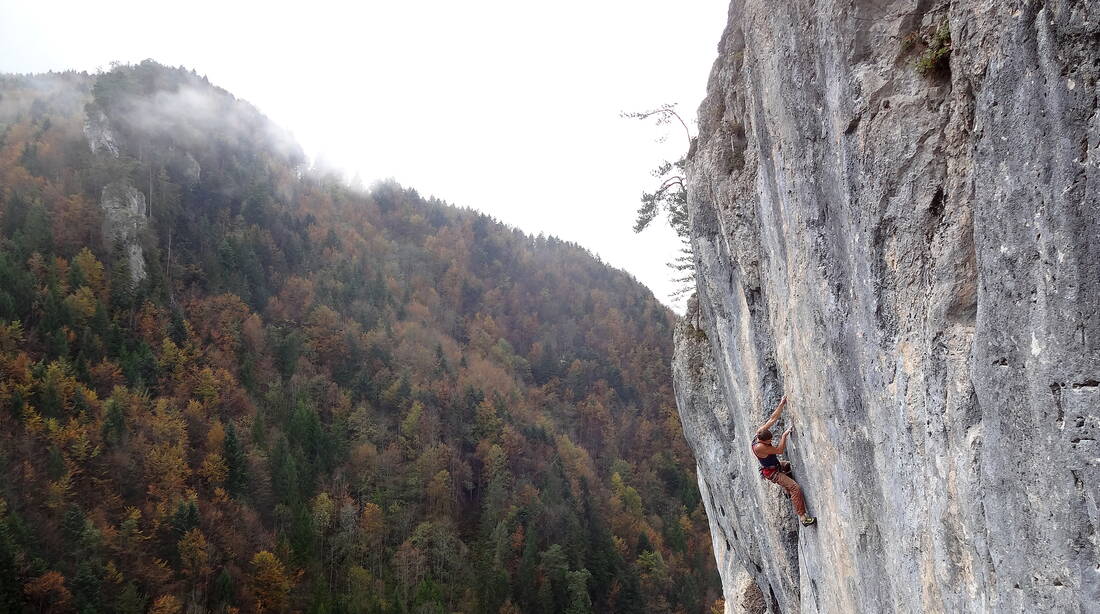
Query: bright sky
(508, 107)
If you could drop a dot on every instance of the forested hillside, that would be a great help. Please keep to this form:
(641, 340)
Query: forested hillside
(229, 382)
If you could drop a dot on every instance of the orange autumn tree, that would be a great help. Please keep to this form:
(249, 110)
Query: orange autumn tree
(270, 582)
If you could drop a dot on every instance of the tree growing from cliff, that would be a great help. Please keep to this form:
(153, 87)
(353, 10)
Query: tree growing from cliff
(669, 197)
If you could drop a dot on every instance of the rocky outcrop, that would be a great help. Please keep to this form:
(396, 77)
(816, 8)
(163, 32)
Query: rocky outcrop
(125, 218)
(895, 221)
(125, 215)
(98, 133)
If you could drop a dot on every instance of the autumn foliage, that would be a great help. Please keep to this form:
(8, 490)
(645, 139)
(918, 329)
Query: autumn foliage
(317, 399)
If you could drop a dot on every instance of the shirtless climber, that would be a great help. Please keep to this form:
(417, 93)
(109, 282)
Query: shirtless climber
(773, 470)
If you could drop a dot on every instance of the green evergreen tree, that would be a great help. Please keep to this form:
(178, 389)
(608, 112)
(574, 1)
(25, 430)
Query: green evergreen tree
(87, 586)
(223, 591)
(235, 461)
(114, 423)
(579, 600)
(10, 589)
(35, 235)
(72, 526)
(123, 290)
(185, 518)
(555, 571)
(130, 600)
(526, 587)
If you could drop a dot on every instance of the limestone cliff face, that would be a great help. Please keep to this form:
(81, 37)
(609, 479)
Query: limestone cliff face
(125, 218)
(913, 257)
(125, 215)
(97, 131)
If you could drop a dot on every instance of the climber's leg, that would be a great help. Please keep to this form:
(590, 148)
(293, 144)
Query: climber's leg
(793, 489)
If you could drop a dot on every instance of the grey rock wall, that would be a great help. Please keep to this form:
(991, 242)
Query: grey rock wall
(125, 218)
(914, 259)
(98, 133)
(125, 214)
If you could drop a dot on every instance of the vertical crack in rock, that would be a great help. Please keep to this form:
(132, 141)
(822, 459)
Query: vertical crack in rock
(914, 259)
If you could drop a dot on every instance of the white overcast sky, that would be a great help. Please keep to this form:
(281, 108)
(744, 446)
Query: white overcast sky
(508, 107)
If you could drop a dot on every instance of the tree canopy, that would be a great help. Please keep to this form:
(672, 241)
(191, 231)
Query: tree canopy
(317, 399)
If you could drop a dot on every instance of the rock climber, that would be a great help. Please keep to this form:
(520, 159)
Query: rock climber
(774, 470)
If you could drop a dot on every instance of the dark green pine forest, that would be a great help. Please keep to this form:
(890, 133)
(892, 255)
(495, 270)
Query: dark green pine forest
(229, 382)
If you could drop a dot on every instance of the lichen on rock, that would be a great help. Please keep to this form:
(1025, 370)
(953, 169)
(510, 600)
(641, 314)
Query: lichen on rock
(915, 263)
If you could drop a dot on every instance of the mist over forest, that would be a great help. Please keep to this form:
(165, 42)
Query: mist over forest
(232, 382)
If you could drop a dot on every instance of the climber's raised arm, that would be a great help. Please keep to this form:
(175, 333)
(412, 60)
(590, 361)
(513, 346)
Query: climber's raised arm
(774, 417)
(764, 446)
(775, 470)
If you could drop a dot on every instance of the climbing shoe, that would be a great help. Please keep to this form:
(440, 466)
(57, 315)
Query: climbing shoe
(808, 520)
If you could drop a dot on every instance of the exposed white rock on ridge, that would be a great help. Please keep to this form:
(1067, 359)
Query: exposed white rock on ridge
(97, 131)
(125, 215)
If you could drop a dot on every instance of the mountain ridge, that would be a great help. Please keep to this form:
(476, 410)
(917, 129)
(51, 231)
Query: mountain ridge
(313, 398)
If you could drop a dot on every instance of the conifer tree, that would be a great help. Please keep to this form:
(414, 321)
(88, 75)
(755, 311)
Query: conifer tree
(235, 462)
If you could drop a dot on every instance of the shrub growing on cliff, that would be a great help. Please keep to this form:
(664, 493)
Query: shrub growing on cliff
(935, 58)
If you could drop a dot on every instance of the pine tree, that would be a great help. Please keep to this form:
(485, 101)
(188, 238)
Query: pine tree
(121, 281)
(130, 600)
(114, 423)
(10, 590)
(235, 461)
(579, 600)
